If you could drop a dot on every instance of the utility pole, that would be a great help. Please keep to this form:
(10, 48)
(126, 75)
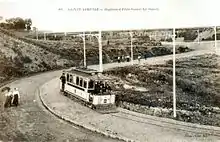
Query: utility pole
(84, 49)
(37, 33)
(215, 38)
(132, 56)
(100, 52)
(174, 73)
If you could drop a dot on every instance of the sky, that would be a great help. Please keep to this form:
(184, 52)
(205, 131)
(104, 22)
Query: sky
(46, 15)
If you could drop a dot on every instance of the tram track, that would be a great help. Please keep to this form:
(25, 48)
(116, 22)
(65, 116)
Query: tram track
(169, 125)
(157, 122)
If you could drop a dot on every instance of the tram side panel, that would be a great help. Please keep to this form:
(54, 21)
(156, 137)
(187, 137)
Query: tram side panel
(104, 99)
(82, 94)
(79, 93)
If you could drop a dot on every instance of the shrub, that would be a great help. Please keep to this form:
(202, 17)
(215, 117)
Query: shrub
(26, 59)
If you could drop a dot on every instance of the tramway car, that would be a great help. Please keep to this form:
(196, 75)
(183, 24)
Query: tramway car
(91, 88)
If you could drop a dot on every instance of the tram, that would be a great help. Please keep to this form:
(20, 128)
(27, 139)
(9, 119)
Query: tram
(90, 87)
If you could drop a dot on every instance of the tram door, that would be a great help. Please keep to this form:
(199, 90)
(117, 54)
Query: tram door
(91, 86)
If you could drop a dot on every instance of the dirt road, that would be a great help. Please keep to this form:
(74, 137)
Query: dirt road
(31, 122)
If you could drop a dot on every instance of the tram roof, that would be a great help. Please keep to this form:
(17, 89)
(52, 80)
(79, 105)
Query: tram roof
(89, 73)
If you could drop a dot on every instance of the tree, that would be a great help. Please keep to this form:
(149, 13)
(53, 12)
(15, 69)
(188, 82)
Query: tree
(28, 23)
(17, 23)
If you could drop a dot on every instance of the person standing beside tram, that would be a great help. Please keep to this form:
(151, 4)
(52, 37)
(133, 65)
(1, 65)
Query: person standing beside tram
(63, 80)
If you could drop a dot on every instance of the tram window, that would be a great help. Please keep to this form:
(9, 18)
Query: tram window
(74, 79)
(71, 78)
(85, 84)
(77, 80)
(81, 82)
(91, 84)
(68, 77)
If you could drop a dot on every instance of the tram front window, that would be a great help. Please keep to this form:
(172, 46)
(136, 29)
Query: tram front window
(91, 84)
(102, 87)
(71, 78)
(77, 80)
(85, 84)
(68, 78)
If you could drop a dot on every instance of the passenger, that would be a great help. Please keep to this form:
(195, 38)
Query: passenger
(16, 97)
(8, 99)
(139, 58)
(96, 88)
(63, 80)
(123, 58)
(103, 87)
(127, 57)
(145, 56)
(119, 59)
(108, 88)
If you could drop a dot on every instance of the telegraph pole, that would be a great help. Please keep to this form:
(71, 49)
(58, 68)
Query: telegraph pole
(215, 38)
(131, 36)
(84, 49)
(174, 73)
(100, 52)
(37, 33)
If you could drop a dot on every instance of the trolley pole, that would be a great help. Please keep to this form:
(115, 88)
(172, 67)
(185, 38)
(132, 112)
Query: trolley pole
(100, 52)
(131, 36)
(84, 49)
(174, 74)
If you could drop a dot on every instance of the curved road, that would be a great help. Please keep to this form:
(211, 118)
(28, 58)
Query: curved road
(31, 122)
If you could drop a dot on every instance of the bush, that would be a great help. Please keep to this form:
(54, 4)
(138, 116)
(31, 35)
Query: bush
(26, 59)
(182, 49)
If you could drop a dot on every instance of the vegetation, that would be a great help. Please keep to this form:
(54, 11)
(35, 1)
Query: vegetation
(17, 24)
(197, 89)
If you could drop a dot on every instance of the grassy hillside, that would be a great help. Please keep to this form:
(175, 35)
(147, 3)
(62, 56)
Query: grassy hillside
(21, 56)
(150, 91)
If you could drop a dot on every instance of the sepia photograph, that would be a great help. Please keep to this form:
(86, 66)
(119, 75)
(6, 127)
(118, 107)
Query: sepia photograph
(109, 71)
